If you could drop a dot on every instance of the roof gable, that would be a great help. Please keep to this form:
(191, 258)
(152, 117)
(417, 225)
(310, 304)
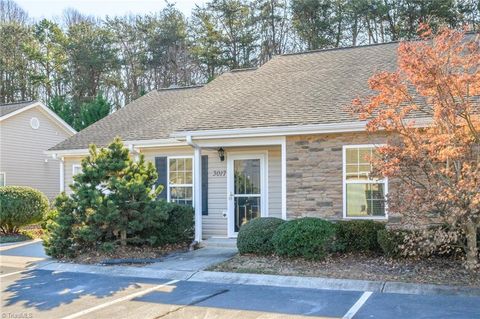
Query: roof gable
(9, 110)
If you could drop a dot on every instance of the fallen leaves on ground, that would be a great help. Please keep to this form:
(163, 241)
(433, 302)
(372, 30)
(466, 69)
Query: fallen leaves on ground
(358, 266)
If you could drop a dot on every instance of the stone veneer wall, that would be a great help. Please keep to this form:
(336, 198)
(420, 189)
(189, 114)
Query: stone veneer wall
(314, 173)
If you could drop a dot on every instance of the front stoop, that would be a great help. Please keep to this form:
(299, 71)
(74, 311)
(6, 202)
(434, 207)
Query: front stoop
(220, 242)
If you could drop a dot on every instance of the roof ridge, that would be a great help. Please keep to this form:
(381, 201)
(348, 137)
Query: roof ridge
(195, 86)
(340, 48)
(244, 69)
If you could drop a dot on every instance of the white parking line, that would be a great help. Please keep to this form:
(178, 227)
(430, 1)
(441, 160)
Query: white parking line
(124, 298)
(17, 272)
(12, 273)
(352, 311)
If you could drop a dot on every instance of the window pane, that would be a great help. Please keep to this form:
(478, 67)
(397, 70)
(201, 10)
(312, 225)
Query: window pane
(352, 155)
(247, 176)
(188, 164)
(377, 208)
(364, 171)
(246, 208)
(365, 200)
(2, 179)
(173, 164)
(180, 164)
(173, 177)
(188, 178)
(181, 195)
(364, 155)
(351, 172)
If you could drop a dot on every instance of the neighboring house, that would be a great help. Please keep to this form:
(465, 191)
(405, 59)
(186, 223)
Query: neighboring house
(274, 141)
(27, 130)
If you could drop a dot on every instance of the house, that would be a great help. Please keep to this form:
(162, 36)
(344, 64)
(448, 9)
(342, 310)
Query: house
(27, 130)
(273, 141)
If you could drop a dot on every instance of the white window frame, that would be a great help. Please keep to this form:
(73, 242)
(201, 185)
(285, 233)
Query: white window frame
(180, 185)
(4, 178)
(344, 183)
(74, 166)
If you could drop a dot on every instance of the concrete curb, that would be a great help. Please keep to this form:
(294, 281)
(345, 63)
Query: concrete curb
(123, 271)
(429, 289)
(287, 281)
(264, 280)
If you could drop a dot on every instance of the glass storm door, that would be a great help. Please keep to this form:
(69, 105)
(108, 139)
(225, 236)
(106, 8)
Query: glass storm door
(246, 179)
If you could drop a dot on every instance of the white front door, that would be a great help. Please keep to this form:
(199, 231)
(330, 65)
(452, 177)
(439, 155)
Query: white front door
(247, 189)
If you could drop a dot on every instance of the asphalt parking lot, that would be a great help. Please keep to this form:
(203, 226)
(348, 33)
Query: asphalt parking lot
(36, 293)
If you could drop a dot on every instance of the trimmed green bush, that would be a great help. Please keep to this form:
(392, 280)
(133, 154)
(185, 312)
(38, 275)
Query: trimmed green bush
(255, 237)
(310, 238)
(389, 241)
(358, 235)
(21, 206)
(177, 229)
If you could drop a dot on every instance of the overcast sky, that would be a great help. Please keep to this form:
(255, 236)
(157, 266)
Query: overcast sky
(53, 8)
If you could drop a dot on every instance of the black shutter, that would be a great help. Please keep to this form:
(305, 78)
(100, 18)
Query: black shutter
(161, 165)
(204, 184)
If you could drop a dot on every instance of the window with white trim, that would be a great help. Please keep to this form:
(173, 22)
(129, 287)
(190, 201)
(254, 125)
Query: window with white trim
(3, 179)
(180, 180)
(76, 169)
(364, 195)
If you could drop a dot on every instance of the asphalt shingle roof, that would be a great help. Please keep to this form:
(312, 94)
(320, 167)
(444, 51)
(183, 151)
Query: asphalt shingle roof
(12, 107)
(295, 89)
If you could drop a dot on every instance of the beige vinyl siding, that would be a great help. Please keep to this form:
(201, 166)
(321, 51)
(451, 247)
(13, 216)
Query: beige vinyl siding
(215, 223)
(274, 182)
(22, 150)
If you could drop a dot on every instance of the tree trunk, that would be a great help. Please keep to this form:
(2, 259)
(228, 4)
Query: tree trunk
(472, 249)
(123, 237)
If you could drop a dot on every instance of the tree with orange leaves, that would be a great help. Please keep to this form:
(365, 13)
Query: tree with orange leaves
(431, 107)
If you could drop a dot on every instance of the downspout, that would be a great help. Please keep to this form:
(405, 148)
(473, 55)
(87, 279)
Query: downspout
(197, 190)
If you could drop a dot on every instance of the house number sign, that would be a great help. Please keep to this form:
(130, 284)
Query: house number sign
(219, 173)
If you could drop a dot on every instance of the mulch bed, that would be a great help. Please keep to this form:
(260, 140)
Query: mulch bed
(142, 254)
(358, 266)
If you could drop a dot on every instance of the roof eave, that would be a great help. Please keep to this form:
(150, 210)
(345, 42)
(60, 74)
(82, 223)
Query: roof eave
(329, 128)
(345, 127)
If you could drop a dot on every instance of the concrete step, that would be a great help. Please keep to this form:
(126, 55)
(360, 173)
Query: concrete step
(220, 242)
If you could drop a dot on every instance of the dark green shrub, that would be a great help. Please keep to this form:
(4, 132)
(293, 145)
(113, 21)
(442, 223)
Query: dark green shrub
(50, 215)
(21, 206)
(311, 238)
(390, 241)
(255, 237)
(58, 240)
(176, 229)
(358, 235)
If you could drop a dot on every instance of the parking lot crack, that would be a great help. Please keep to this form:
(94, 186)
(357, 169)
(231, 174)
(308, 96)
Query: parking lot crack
(193, 303)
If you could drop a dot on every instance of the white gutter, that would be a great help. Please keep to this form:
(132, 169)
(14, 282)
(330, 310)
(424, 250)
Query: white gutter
(275, 131)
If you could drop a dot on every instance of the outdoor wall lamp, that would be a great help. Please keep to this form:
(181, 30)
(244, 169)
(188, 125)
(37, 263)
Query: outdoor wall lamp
(221, 154)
